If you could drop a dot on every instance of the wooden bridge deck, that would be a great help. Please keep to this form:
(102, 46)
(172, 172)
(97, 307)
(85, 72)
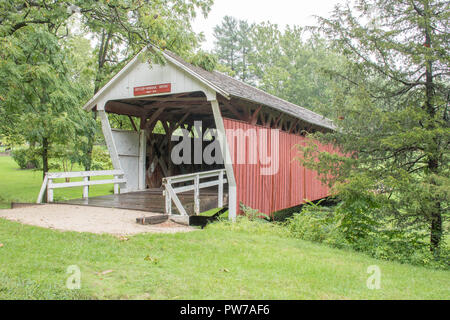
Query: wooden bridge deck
(151, 200)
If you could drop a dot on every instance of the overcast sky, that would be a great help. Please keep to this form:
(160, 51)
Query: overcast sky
(281, 12)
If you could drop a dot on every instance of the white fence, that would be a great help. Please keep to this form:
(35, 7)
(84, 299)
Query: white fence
(171, 192)
(50, 185)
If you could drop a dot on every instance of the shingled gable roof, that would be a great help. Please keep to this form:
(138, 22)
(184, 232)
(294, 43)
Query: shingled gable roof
(239, 89)
(230, 87)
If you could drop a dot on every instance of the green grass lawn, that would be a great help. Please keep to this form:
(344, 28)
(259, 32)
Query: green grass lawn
(224, 261)
(18, 185)
(245, 261)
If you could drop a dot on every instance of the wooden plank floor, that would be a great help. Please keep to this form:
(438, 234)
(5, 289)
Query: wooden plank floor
(150, 201)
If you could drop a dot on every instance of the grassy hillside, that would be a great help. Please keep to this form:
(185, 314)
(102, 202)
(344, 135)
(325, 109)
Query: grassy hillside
(245, 261)
(242, 261)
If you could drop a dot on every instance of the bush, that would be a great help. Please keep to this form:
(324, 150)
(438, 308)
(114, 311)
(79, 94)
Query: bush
(27, 158)
(356, 223)
(284, 215)
(317, 224)
(353, 225)
(253, 214)
(101, 159)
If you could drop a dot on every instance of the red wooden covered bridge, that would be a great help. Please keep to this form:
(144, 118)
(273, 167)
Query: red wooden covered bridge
(251, 135)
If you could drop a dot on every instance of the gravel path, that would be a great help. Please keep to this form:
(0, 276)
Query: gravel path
(88, 219)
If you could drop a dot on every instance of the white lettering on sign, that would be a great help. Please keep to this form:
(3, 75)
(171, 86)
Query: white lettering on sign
(153, 89)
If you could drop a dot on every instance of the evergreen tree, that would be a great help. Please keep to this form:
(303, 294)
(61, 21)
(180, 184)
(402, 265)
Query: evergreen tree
(233, 46)
(245, 49)
(227, 43)
(395, 119)
(293, 67)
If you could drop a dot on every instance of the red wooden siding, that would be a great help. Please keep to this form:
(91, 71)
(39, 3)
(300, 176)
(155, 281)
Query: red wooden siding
(288, 187)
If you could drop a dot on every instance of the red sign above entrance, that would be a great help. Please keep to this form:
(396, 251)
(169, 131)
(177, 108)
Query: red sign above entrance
(153, 89)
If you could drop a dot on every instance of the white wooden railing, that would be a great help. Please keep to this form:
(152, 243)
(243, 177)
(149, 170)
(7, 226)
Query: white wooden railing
(50, 185)
(171, 192)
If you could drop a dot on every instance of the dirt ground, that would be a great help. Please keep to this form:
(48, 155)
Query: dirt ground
(88, 219)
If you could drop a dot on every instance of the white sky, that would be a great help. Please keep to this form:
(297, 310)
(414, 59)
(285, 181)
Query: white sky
(281, 12)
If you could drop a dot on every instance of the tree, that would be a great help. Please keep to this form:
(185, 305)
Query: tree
(233, 45)
(284, 63)
(40, 78)
(40, 100)
(122, 28)
(396, 118)
(226, 44)
(266, 51)
(293, 67)
(245, 49)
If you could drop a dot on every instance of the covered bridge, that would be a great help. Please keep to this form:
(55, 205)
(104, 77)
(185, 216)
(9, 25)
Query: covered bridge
(256, 134)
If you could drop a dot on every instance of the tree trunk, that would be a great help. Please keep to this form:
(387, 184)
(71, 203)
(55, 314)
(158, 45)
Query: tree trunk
(44, 162)
(102, 54)
(436, 229)
(90, 147)
(433, 159)
(44, 156)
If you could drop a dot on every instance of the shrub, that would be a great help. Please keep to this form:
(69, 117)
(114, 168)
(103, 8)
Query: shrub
(204, 60)
(253, 214)
(27, 158)
(101, 159)
(284, 215)
(315, 223)
(353, 225)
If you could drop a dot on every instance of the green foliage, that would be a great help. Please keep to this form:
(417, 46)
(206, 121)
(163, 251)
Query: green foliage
(123, 28)
(101, 159)
(315, 223)
(233, 46)
(204, 60)
(253, 214)
(26, 158)
(356, 213)
(353, 224)
(41, 103)
(225, 70)
(393, 132)
(284, 63)
(48, 68)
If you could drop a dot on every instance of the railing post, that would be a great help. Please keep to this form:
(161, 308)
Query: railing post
(86, 188)
(43, 188)
(116, 186)
(220, 202)
(168, 204)
(197, 194)
(168, 199)
(49, 191)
